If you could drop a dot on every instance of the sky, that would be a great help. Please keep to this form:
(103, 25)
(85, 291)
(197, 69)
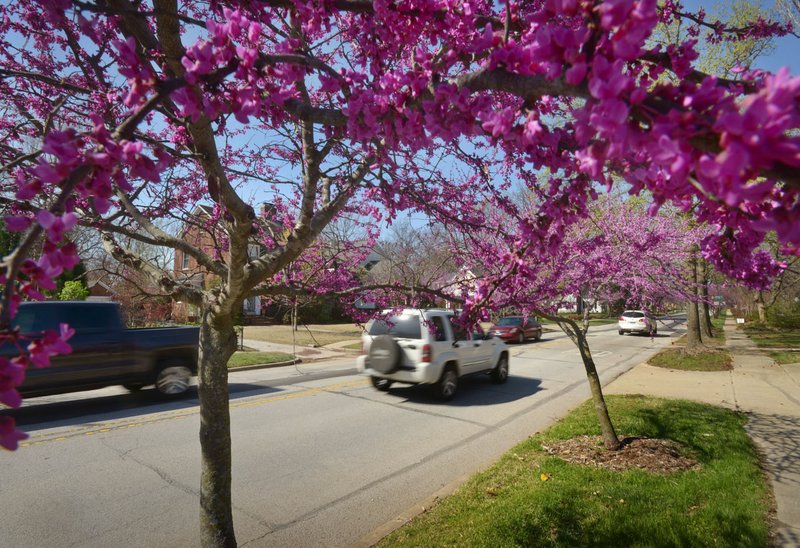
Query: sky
(787, 49)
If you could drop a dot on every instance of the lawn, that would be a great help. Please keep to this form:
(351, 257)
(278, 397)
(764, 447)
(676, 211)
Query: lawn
(241, 359)
(311, 335)
(677, 358)
(782, 345)
(530, 498)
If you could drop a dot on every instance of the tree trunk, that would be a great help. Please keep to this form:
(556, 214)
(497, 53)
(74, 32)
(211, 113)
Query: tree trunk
(610, 439)
(694, 338)
(217, 344)
(761, 308)
(585, 325)
(706, 330)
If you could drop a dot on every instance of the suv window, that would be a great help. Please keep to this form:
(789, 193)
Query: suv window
(632, 314)
(459, 333)
(439, 334)
(402, 327)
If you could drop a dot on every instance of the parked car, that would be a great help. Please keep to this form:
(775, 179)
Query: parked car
(104, 353)
(637, 321)
(517, 328)
(428, 347)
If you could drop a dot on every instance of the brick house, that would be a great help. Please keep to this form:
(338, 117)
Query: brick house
(186, 270)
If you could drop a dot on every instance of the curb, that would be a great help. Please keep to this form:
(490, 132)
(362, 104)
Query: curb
(264, 365)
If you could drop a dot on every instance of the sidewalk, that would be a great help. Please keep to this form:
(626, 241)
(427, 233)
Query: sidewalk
(770, 396)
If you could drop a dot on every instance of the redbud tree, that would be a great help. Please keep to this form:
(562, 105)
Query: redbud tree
(117, 113)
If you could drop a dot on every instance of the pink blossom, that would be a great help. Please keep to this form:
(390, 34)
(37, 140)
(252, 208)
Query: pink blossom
(9, 435)
(17, 224)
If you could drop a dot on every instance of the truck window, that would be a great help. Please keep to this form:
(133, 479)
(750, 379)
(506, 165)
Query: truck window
(44, 317)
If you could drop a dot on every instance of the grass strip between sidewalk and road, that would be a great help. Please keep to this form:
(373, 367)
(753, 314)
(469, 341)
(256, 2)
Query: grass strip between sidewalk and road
(530, 498)
(678, 358)
(243, 359)
(782, 345)
(311, 335)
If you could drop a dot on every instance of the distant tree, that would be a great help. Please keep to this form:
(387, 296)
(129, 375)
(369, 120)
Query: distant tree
(74, 290)
(411, 256)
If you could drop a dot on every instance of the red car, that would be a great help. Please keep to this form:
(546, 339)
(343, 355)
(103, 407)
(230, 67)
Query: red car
(517, 328)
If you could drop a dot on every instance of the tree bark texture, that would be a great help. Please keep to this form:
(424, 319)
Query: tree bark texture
(761, 307)
(694, 339)
(610, 439)
(706, 330)
(217, 344)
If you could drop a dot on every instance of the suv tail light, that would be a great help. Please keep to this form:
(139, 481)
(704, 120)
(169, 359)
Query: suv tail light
(426, 353)
(622, 318)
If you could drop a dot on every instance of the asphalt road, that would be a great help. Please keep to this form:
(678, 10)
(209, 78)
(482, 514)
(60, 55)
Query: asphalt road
(320, 457)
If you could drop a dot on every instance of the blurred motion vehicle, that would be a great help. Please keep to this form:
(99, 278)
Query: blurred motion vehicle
(428, 347)
(637, 321)
(104, 352)
(517, 328)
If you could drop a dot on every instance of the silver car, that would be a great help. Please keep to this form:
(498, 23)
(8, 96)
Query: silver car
(637, 321)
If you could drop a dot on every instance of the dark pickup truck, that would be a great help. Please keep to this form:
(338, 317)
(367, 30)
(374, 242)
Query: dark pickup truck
(104, 352)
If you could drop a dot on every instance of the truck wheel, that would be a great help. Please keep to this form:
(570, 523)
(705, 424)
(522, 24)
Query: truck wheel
(447, 385)
(173, 378)
(500, 371)
(381, 384)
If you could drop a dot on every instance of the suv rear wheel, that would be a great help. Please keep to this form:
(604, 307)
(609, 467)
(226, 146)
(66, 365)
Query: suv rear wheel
(381, 384)
(447, 385)
(500, 371)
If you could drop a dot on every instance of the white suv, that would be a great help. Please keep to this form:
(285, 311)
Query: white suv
(427, 347)
(637, 321)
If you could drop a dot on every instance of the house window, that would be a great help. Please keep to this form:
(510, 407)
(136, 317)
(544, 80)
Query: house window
(185, 264)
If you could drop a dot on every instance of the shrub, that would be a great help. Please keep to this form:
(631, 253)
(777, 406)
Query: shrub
(74, 290)
(784, 316)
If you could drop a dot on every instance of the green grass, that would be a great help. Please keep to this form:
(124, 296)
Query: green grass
(315, 334)
(603, 321)
(353, 346)
(241, 359)
(784, 357)
(783, 339)
(724, 503)
(718, 325)
(677, 358)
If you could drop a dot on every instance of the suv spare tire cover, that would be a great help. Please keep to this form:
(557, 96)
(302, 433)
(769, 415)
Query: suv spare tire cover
(384, 354)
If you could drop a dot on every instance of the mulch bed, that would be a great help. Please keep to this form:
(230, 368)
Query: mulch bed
(658, 456)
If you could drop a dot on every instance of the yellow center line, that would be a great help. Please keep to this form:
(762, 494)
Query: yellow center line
(103, 428)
